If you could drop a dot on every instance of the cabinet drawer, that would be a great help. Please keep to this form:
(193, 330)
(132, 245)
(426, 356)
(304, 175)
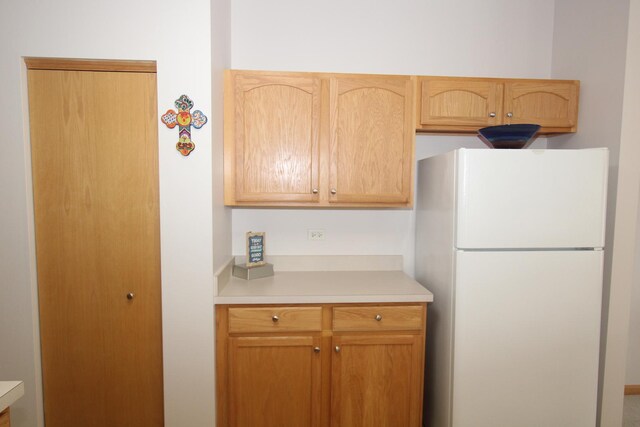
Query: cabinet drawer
(275, 319)
(383, 318)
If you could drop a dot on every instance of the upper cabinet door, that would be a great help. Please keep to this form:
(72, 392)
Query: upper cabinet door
(459, 102)
(271, 144)
(547, 103)
(372, 138)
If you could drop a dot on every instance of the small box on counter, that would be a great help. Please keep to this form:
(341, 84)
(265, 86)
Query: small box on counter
(248, 273)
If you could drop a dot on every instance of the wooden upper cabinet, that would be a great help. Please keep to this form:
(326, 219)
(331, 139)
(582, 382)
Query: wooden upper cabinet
(371, 139)
(318, 139)
(271, 143)
(459, 102)
(551, 104)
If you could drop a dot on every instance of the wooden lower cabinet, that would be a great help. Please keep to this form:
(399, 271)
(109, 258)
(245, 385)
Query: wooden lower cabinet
(374, 381)
(274, 381)
(5, 418)
(340, 373)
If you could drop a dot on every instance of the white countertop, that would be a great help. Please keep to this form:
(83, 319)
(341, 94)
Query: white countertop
(308, 287)
(10, 391)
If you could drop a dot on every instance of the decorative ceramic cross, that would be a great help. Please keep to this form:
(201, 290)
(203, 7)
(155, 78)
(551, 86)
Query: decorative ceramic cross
(184, 119)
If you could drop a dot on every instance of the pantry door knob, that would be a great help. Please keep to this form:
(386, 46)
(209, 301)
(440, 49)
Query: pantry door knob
(130, 295)
(337, 349)
(316, 349)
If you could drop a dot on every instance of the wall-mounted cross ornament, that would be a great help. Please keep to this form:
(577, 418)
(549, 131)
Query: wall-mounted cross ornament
(184, 119)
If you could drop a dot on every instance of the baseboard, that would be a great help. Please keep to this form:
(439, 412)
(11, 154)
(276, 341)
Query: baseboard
(632, 389)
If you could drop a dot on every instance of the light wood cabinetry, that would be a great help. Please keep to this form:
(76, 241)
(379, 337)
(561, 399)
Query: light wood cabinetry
(448, 103)
(551, 104)
(354, 365)
(5, 418)
(459, 104)
(318, 139)
(372, 136)
(271, 140)
(373, 378)
(274, 381)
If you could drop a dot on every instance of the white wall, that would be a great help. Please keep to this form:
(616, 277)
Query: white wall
(495, 38)
(590, 44)
(632, 95)
(220, 60)
(633, 352)
(178, 37)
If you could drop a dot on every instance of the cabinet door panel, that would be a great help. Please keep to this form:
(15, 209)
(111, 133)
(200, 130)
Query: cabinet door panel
(549, 104)
(274, 382)
(460, 102)
(376, 381)
(276, 137)
(372, 137)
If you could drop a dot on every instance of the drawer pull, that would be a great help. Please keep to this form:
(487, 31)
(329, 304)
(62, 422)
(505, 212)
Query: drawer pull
(378, 317)
(275, 318)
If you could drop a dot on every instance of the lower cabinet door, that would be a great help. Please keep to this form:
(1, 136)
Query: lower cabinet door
(274, 381)
(5, 418)
(376, 381)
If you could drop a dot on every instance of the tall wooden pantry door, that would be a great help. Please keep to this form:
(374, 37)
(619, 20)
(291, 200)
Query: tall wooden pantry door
(95, 182)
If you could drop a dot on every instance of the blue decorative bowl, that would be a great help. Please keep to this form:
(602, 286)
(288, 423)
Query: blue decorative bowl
(508, 136)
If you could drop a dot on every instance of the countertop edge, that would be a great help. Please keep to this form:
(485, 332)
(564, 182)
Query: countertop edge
(14, 393)
(322, 299)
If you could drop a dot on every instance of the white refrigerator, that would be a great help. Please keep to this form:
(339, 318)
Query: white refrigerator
(511, 243)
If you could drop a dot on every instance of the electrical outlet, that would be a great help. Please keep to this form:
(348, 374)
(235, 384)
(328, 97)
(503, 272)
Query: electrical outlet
(315, 234)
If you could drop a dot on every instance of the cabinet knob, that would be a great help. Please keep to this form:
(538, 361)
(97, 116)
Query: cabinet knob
(509, 114)
(492, 114)
(275, 318)
(337, 349)
(314, 191)
(130, 295)
(316, 349)
(378, 317)
(334, 191)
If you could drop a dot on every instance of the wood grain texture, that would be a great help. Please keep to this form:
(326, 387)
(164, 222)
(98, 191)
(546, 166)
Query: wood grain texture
(95, 182)
(274, 382)
(632, 389)
(374, 381)
(457, 104)
(276, 131)
(460, 102)
(262, 319)
(222, 364)
(65, 64)
(378, 383)
(364, 318)
(372, 140)
(5, 418)
(267, 120)
(548, 104)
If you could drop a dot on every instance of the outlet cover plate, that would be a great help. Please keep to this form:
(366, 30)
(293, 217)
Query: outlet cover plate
(315, 234)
